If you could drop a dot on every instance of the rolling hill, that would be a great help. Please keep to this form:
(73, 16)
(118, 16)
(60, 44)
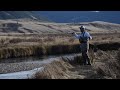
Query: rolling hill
(36, 22)
(4, 15)
(36, 27)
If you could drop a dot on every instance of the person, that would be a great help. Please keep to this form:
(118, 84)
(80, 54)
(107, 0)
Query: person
(84, 38)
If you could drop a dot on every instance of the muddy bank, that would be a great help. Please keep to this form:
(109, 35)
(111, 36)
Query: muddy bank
(106, 66)
(108, 46)
(11, 67)
(66, 68)
(38, 50)
(54, 68)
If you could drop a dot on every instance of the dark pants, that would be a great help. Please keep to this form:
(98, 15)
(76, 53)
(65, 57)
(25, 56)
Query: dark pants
(84, 50)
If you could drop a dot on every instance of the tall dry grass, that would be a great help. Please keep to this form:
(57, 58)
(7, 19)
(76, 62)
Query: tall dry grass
(28, 45)
(55, 70)
(34, 45)
(110, 69)
(37, 50)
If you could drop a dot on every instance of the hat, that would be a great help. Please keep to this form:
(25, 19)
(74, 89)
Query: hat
(82, 27)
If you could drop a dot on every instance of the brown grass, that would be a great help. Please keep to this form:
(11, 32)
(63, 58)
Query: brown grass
(55, 70)
(110, 65)
(37, 50)
(28, 45)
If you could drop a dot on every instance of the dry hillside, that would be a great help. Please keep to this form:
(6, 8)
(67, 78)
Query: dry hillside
(30, 26)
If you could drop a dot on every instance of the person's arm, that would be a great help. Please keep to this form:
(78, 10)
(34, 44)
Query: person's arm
(89, 36)
(77, 36)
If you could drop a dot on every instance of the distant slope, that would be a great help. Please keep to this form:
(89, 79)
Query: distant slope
(12, 26)
(21, 15)
(105, 25)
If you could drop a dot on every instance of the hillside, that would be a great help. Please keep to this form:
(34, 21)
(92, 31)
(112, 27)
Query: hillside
(102, 26)
(38, 22)
(4, 15)
(36, 27)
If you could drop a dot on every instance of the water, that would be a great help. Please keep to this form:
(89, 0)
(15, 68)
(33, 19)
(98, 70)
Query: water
(31, 58)
(81, 16)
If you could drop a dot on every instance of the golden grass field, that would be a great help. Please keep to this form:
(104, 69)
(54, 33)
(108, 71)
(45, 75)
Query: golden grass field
(31, 44)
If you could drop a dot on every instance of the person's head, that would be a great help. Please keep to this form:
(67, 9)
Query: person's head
(82, 28)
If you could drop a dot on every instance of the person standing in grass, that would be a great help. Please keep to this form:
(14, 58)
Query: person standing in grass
(84, 38)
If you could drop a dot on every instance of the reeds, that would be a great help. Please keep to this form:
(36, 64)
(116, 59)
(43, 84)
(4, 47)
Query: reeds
(37, 50)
